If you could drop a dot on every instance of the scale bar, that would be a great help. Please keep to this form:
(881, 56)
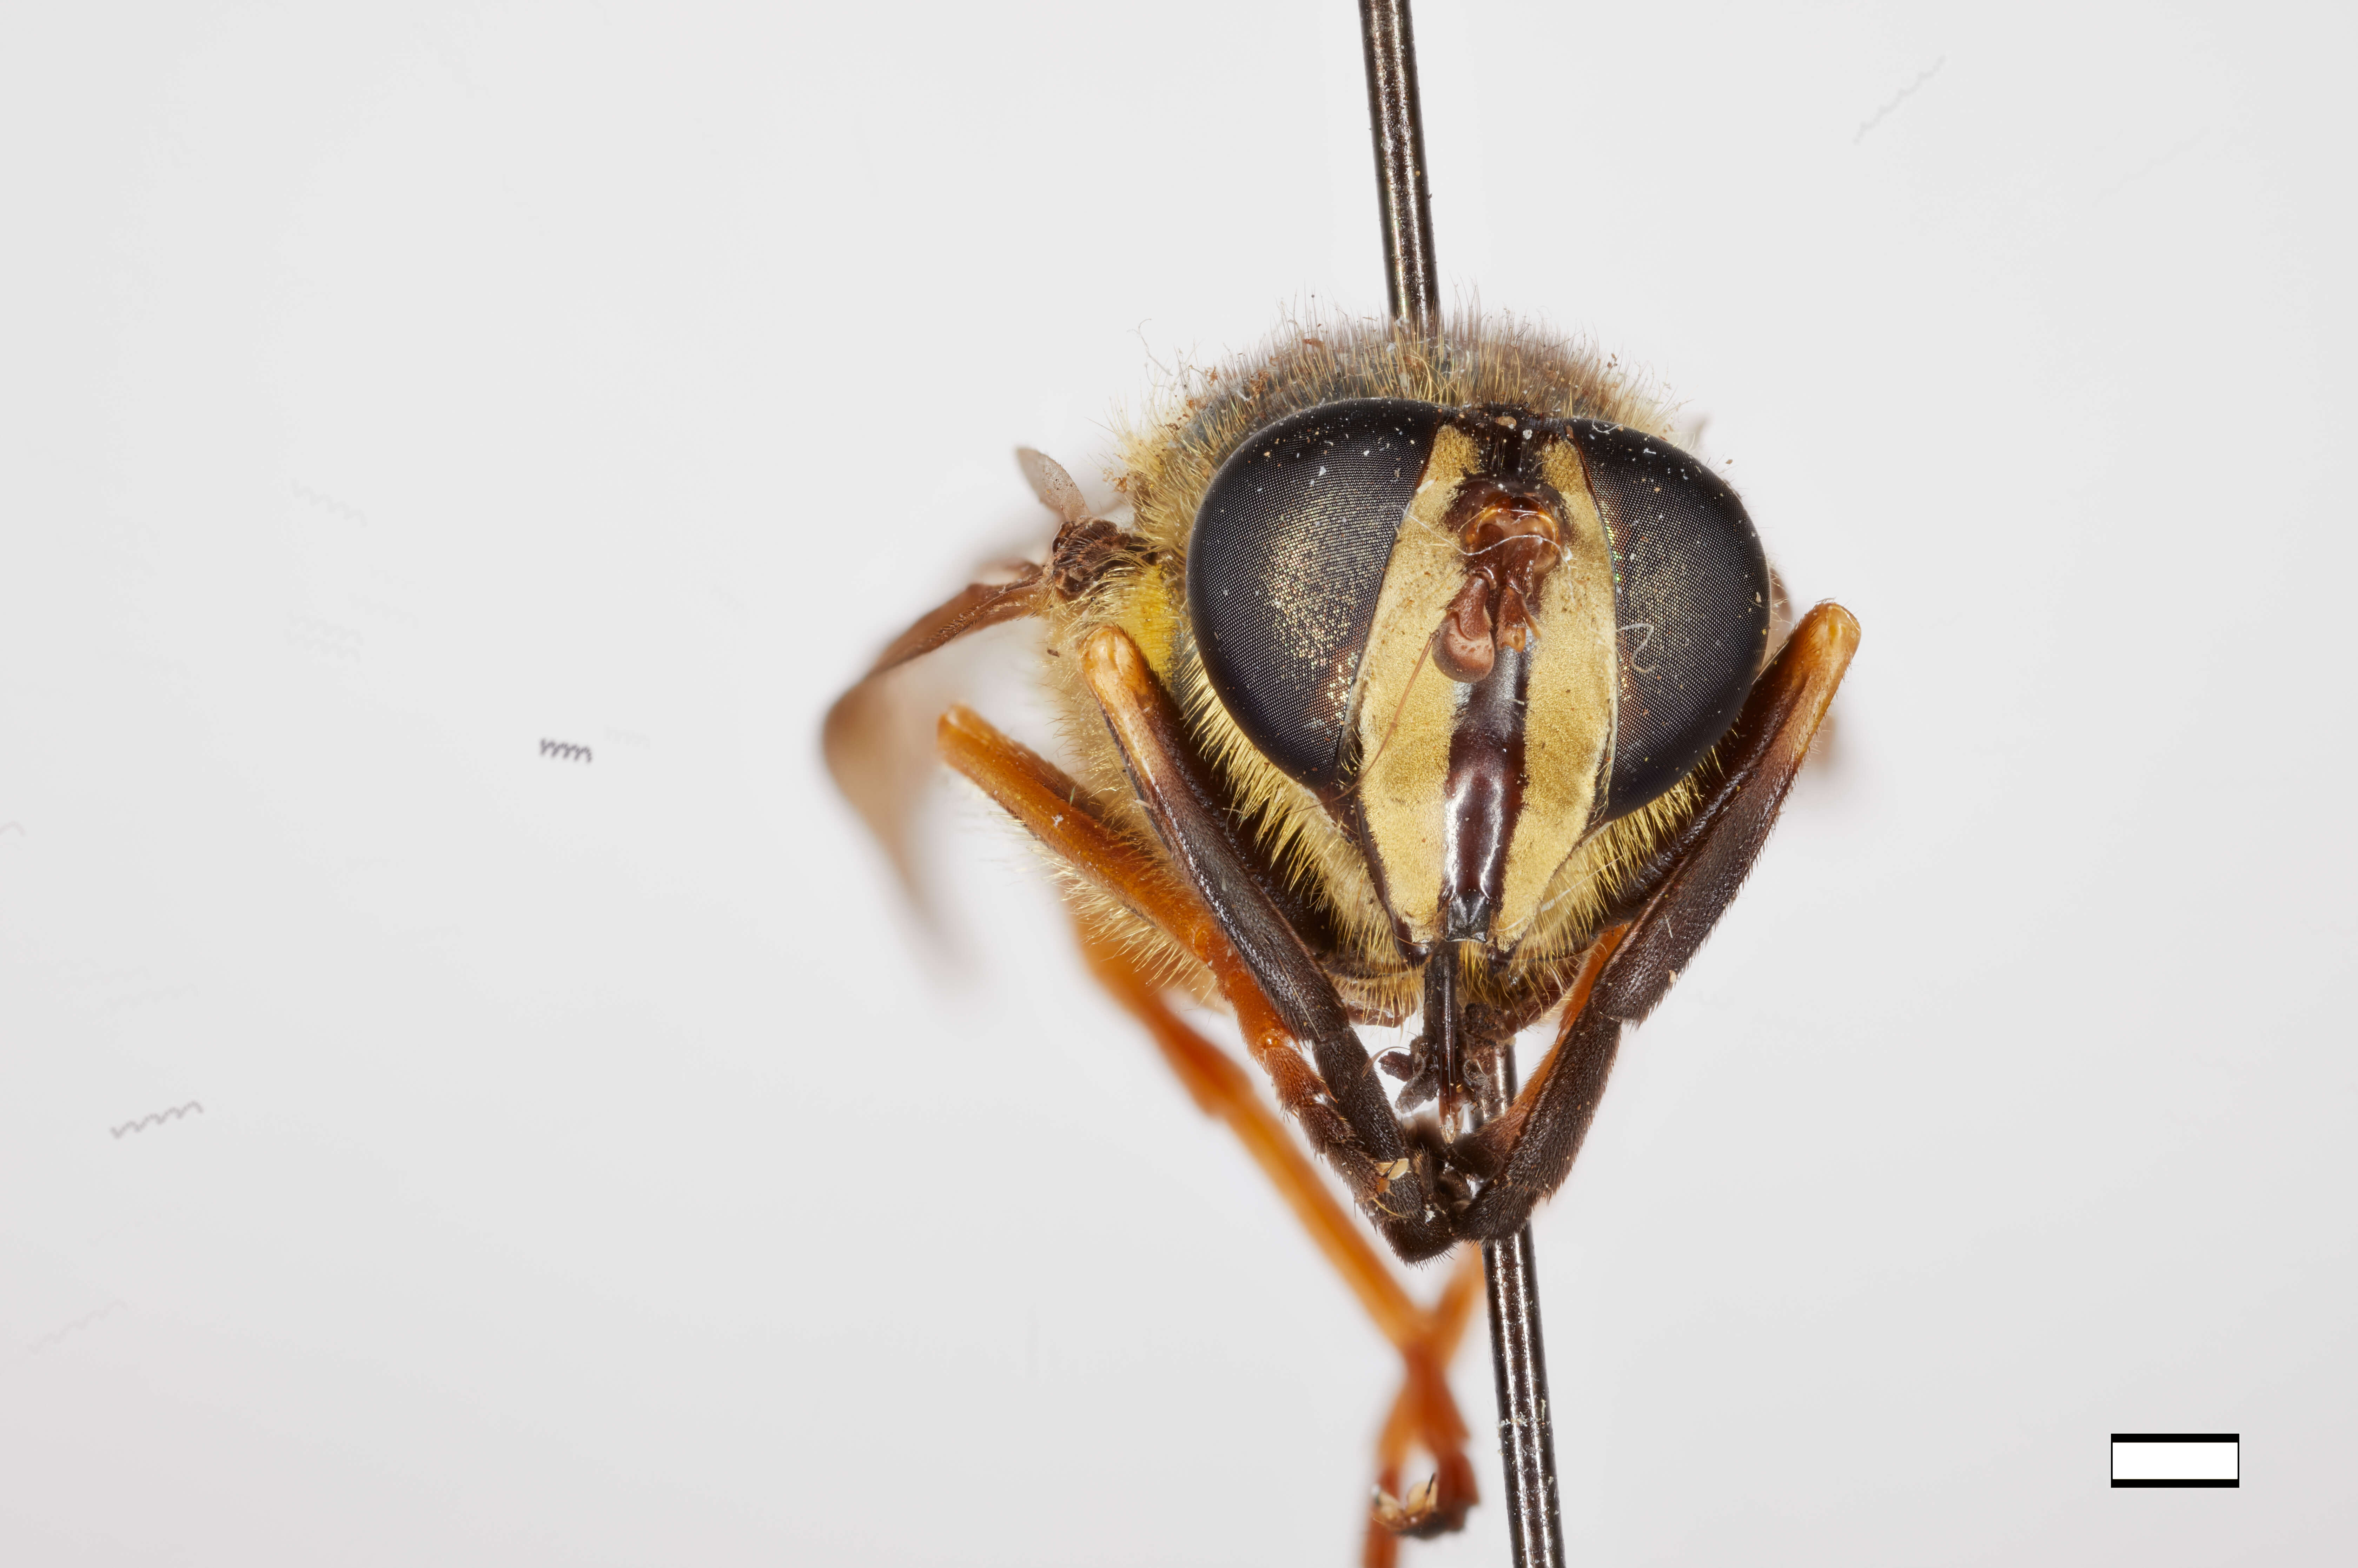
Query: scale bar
(2176, 1459)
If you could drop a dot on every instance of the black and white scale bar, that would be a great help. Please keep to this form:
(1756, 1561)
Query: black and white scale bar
(2176, 1459)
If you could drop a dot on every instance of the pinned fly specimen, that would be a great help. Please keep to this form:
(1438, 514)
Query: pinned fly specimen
(1421, 679)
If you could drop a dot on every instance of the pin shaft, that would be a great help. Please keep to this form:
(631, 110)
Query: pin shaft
(1398, 124)
(1518, 1369)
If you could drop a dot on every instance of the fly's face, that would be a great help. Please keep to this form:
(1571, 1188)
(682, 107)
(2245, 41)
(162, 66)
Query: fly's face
(1477, 634)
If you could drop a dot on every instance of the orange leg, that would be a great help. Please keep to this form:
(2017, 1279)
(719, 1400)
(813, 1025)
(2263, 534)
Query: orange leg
(1425, 1413)
(1067, 824)
(1055, 811)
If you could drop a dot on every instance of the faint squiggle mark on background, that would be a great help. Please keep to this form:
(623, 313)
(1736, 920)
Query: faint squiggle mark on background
(157, 1119)
(327, 504)
(76, 1326)
(18, 826)
(566, 749)
(1899, 98)
(2147, 167)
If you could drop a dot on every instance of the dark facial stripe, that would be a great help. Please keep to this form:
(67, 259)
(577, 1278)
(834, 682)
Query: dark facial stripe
(1485, 796)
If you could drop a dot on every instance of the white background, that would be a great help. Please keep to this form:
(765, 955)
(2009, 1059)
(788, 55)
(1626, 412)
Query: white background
(599, 1164)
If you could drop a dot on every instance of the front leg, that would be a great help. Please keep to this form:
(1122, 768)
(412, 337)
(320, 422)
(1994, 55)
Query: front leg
(1527, 1152)
(1072, 830)
(1370, 1149)
(1055, 811)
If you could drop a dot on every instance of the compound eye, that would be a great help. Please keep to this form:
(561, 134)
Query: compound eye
(1285, 564)
(1691, 597)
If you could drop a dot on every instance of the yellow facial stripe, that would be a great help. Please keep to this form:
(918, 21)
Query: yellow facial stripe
(1568, 727)
(1406, 707)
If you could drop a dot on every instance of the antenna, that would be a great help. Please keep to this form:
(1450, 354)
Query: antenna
(1518, 1355)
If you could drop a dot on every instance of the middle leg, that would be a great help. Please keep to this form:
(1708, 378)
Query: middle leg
(1425, 1413)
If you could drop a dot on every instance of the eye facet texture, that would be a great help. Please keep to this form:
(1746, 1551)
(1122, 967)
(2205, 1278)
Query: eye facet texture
(1691, 592)
(1284, 565)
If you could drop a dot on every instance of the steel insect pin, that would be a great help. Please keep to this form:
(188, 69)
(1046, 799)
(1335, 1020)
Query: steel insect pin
(1361, 735)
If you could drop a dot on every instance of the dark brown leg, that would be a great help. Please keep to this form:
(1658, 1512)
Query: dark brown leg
(970, 609)
(1366, 1145)
(1528, 1152)
(1055, 810)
